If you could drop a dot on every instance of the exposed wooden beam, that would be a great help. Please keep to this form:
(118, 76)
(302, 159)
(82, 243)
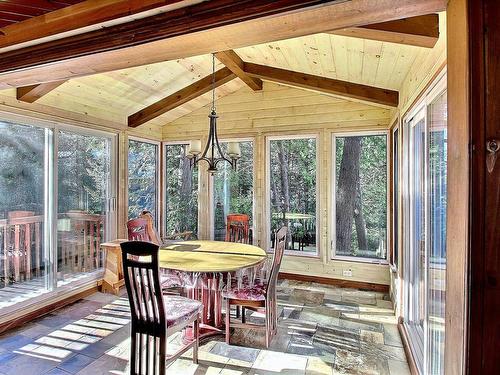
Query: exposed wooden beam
(84, 14)
(326, 85)
(32, 93)
(235, 64)
(182, 96)
(200, 34)
(421, 31)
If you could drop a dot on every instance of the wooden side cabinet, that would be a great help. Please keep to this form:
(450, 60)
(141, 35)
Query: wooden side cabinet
(113, 267)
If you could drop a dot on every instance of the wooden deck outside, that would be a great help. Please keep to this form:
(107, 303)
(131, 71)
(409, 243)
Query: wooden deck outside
(22, 253)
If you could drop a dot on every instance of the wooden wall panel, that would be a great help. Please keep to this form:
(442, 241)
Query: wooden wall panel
(424, 68)
(279, 110)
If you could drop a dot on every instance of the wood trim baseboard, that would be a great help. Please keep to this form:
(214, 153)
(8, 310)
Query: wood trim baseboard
(337, 282)
(406, 346)
(45, 309)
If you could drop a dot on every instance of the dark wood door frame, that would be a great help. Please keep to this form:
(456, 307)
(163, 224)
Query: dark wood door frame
(484, 255)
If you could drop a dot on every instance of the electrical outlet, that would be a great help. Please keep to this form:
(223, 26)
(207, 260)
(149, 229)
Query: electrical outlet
(347, 273)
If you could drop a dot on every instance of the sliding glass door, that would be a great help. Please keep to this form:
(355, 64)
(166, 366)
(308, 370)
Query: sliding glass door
(23, 244)
(425, 203)
(416, 244)
(57, 189)
(84, 202)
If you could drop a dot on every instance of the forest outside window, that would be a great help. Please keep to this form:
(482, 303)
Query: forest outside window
(293, 192)
(142, 178)
(360, 196)
(233, 190)
(181, 193)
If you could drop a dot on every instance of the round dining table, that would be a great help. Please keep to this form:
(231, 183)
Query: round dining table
(203, 268)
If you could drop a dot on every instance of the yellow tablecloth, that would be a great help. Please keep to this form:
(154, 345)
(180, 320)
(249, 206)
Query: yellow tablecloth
(210, 256)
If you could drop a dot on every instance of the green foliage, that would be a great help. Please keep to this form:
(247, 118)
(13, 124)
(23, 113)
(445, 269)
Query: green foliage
(181, 191)
(142, 183)
(22, 171)
(293, 188)
(83, 173)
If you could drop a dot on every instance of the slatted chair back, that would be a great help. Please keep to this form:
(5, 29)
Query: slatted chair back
(137, 230)
(279, 250)
(148, 334)
(238, 228)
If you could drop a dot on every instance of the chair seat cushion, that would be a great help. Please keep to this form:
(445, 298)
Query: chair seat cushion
(249, 291)
(179, 309)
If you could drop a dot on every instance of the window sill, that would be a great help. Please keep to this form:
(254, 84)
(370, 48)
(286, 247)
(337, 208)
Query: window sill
(381, 262)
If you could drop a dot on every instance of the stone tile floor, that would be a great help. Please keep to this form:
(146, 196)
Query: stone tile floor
(322, 330)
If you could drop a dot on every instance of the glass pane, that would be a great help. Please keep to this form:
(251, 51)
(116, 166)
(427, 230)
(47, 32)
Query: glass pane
(416, 250)
(142, 179)
(22, 251)
(437, 120)
(395, 200)
(181, 184)
(293, 192)
(84, 165)
(233, 190)
(361, 196)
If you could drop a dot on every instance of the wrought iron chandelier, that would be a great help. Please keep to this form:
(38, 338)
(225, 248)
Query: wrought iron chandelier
(212, 153)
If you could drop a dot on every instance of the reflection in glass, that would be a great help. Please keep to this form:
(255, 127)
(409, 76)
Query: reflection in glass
(437, 138)
(293, 192)
(23, 269)
(142, 179)
(361, 196)
(84, 183)
(233, 189)
(181, 186)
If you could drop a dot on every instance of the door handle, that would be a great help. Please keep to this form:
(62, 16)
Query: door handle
(492, 146)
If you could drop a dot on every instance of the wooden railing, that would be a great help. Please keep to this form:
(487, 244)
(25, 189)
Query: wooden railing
(22, 253)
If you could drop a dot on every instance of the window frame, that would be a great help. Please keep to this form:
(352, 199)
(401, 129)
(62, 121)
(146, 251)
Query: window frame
(436, 88)
(267, 210)
(163, 224)
(254, 181)
(333, 197)
(395, 202)
(158, 169)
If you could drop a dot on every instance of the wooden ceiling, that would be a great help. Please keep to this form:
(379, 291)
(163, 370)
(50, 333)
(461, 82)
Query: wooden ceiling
(367, 63)
(116, 95)
(14, 11)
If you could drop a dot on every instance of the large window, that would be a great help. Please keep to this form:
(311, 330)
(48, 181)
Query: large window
(292, 166)
(181, 192)
(360, 201)
(52, 223)
(425, 130)
(142, 178)
(233, 190)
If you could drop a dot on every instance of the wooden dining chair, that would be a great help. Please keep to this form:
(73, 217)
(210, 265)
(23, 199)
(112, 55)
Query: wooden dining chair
(137, 230)
(257, 295)
(238, 228)
(155, 317)
(153, 235)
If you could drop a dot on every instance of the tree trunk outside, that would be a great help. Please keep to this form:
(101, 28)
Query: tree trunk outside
(359, 219)
(285, 188)
(346, 193)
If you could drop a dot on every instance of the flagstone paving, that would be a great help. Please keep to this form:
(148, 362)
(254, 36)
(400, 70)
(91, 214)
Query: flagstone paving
(322, 330)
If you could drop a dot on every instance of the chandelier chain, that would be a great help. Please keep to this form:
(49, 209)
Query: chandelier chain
(213, 82)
